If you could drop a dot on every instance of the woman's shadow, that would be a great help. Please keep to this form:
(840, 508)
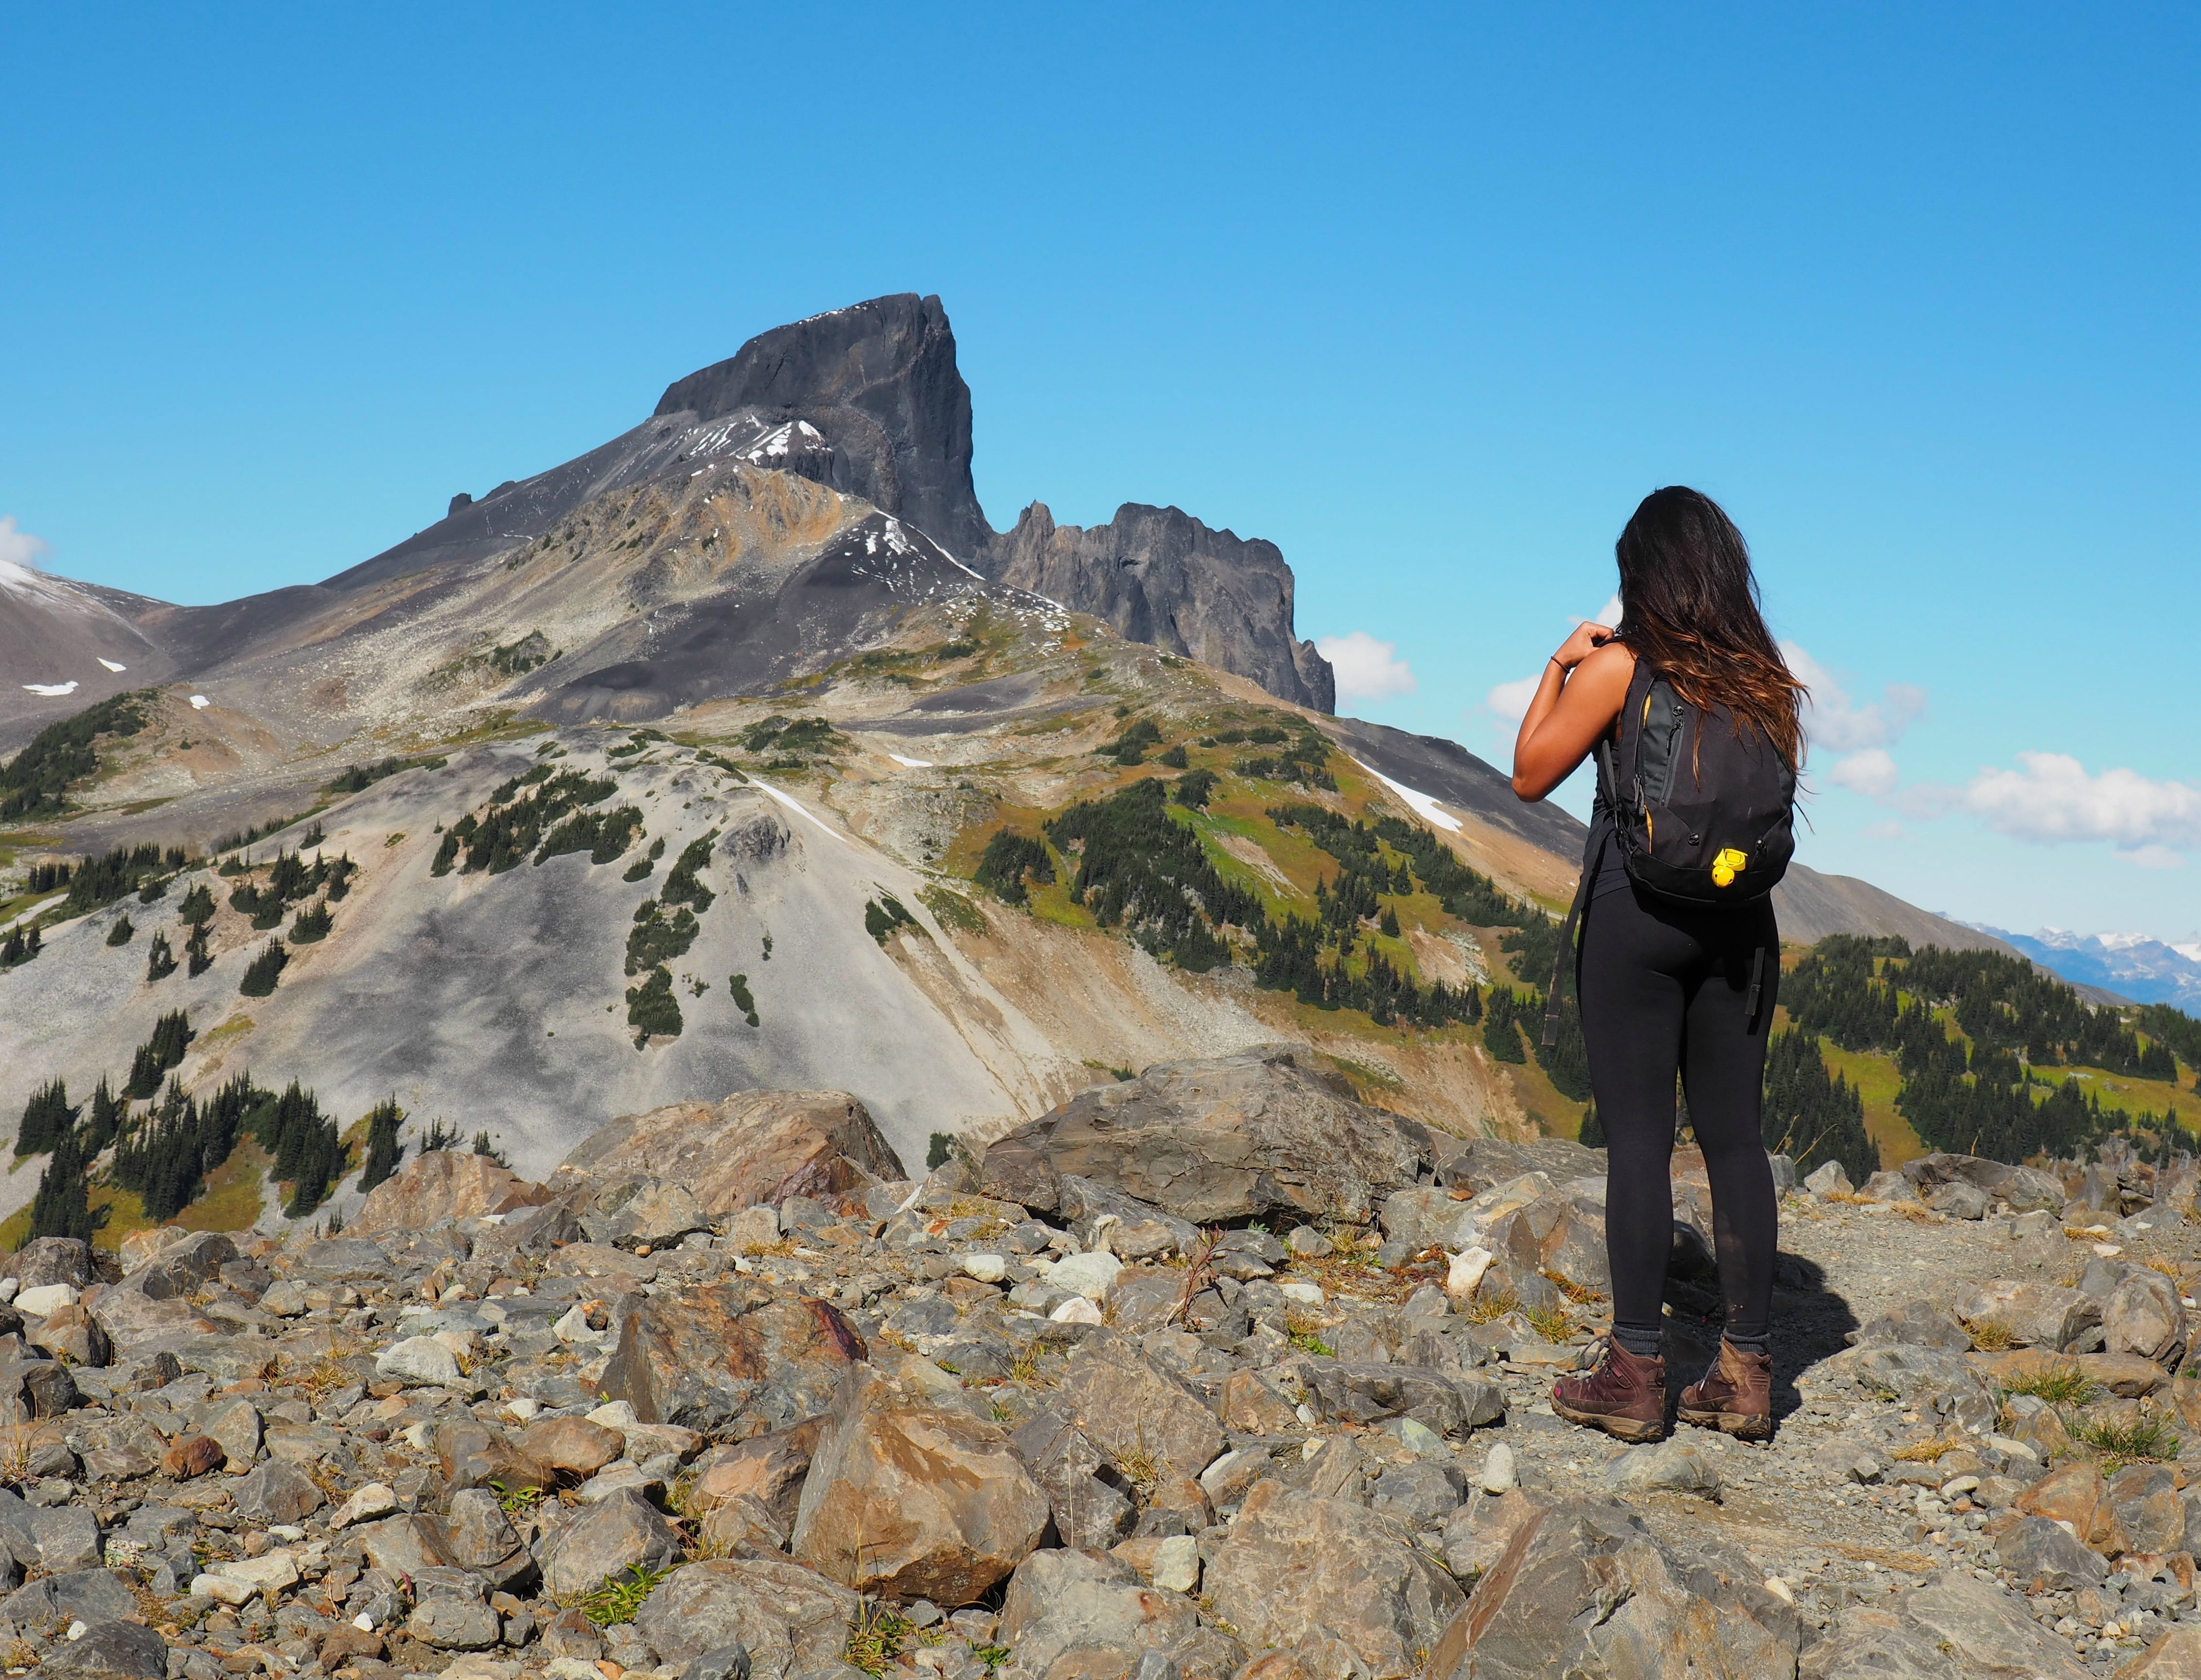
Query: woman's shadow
(1810, 1321)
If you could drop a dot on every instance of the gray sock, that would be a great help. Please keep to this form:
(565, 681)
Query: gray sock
(1640, 1340)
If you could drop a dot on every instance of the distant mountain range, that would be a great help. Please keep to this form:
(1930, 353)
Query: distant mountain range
(2133, 965)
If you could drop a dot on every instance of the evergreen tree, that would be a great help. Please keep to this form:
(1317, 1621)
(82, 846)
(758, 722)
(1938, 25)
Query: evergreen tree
(122, 931)
(105, 1120)
(195, 949)
(1811, 1115)
(46, 1118)
(1501, 1031)
(62, 1205)
(261, 974)
(384, 1150)
(160, 961)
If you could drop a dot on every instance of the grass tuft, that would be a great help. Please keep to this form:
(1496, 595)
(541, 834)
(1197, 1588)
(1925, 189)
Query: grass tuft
(619, 1597)
(879, 1635)
(1494, 1305)
(2057, 1385)
(2124, 1443)
(1990, 1338)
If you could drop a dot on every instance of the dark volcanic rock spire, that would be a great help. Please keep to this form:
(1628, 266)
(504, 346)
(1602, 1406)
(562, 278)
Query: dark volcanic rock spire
(1160, 575)
(879, 380)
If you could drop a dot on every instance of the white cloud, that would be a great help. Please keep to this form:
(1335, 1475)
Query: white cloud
(1834, 720)
(18, 547)
(2051, 799)
(1510, 700)
(2154, 858)
(1870, 772)
(1367, 669)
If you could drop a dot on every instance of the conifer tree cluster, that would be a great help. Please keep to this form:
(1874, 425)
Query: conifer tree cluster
(1142, 868)
(681, 885)
(384, 1150)
(200, 959)
(171, 1036)
(22, 945)
(160, 960)
(651, 1009)
(1009, 861)
(513, 823)
(122, 931)
(46, 878)
(1811, 1115)
(883, 914)
(308, 1148)
(1983, 1092)
(46, 1116)
(35, 783)
(264, 971)
(62, 1204)
(99, 881)
(738, 986)
(657, 938)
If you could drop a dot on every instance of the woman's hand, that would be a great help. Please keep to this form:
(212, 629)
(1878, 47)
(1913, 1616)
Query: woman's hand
(1585, 640)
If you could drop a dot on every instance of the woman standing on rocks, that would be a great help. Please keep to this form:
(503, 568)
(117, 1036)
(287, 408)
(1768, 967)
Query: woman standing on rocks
(1672, 983)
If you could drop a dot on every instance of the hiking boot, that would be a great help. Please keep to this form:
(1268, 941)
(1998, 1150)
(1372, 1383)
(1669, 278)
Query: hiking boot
(1735, 1397)
(1620, 1394)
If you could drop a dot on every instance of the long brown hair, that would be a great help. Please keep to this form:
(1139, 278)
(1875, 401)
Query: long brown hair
(1689, 606)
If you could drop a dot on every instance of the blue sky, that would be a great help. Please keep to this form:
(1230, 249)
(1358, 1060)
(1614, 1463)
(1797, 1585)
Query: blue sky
(1428, 296)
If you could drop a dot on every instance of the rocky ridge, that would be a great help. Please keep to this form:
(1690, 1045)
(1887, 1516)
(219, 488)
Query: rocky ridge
(817, 1418)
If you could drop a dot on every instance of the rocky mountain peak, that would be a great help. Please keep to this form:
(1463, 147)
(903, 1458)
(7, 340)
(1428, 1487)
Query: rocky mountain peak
(878, 380)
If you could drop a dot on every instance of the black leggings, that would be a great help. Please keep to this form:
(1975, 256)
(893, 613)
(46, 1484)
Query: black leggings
(1665, 989)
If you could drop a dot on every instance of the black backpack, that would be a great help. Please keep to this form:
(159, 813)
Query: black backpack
(1704, 810)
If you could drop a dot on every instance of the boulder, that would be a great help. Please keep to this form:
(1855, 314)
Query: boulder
(477, 1534)
(1354, 1392)
(2035, 1315)
(1585, 1587)
(2022, 1188)
(1132, 1412)
(419, 1361)
(704, 1357)
(1923, 1324)
(445, 1185)
(70, 1332)
(1264, 1132)
(912, 1500)
(792, 1621)
(2042, 1557)
(276, 1492)
(1089, 1512)
(767, 1468)
(756, 1146)
(2149, 1510)
(573, 1450)
(45, 1260)
(2175, 1656)
(1827, 1180)
(1954, 1628)
(606, 1539)
(1297, 1568)
(112, 1650)
(643, 1212)
(1664, 1466)
(2144, 1315)
(74, 1594)
(1060, 1602)
(180, 1264)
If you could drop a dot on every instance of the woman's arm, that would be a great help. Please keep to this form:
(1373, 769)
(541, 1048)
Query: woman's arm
(1577, 701)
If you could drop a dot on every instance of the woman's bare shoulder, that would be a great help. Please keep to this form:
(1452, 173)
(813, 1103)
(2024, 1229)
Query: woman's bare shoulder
(1613, 663)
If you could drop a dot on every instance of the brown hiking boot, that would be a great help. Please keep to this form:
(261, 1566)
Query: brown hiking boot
(1621, 1394)
(1735, 1397)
